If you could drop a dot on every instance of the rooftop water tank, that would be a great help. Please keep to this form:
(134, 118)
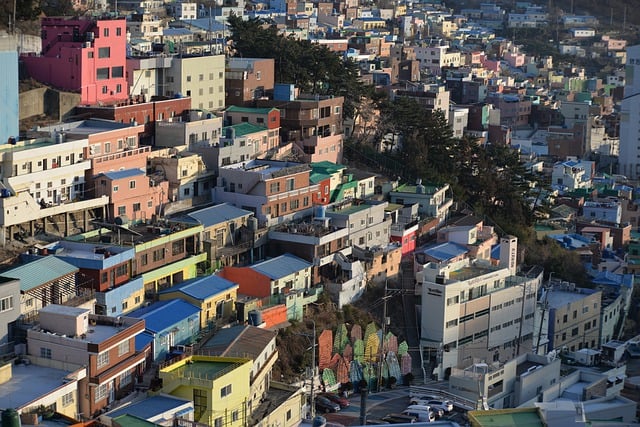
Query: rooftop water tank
(10, 418)
(255, 318)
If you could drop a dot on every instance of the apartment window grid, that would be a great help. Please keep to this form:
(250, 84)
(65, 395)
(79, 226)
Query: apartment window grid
(101, 392)
(6, 304)
(123, 348)
(103, 359)
(67, 399)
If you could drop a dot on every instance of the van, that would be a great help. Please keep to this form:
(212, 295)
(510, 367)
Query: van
(399, 419)
(421, 416)
(437, 412)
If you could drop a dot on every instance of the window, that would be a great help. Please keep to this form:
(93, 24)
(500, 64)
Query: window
(101, 392)
(121, 270)
(177, 248)
(200, 404)
(90, 55)
(132, 184)
(102, 73)
(125, 378)
(105, 32)
(104, 52)
(274, 187)
(122, 210)
(225, 391)
(217, 422)
(118, 88)
(45, 353)
(144, 259)
(123, 348)
(103, 359)
(235, 415)
(67, 399)
(452, 323)
(574, 332)
(290, 184)
(294, 204)
(136, 207)
(158, 255)
(6, 304)
(118, 31)
(115, 188)
(453, 300)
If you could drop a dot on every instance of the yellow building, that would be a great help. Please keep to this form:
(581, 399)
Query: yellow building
(218, 386)
(214, 295)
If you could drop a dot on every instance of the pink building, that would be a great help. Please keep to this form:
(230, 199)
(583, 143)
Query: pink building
(131, 194)
(83, 55)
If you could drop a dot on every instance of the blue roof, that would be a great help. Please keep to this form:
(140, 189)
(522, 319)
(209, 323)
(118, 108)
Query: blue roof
(127, 173)
(217, 214)
(162, 315)
(613, 279)
(150, 407)
(445, 251)
(203, 287)
(281, 266)
(571, 241)
(143, 340)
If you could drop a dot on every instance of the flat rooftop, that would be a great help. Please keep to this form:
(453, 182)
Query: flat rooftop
(560, 298)
(529, 417)
(270, 169)
(203, 369)
(28, 383)
(96, 334)
(470, 272)
(133, 234)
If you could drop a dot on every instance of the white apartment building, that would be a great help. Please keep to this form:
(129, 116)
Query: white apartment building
(183, 10)
(473, 311)
(629, 159)
(199, 77)
(368, 227)
(40, 178)
(434, 58)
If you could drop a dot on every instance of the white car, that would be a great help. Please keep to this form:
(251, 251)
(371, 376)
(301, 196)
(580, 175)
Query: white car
(437, 412)
(445, 405)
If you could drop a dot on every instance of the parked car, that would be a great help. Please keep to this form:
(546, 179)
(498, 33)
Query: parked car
(437, 412)
(421, 416)
(342, 401)
(399, 419)
(421, 400)
(446, 405)
(325, 405)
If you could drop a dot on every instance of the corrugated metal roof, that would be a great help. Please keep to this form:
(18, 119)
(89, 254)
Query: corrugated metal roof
(249, 110)
(164, 314)
(203, 287)
(244, 128)
(143, 340)
(240, 341)
(150, 407)
(446, 251)
(40, 272)
(133, 421)
(281, 266)
(127, 173)
(217, 214)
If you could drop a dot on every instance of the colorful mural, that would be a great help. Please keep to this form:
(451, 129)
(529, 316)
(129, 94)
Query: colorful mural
(351, 356)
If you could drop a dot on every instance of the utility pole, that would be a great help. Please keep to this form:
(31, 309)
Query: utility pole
(384, 323)
(312, 410)
(544, 308)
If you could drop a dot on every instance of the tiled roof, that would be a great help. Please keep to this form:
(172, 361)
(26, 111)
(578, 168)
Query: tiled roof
(245, 341)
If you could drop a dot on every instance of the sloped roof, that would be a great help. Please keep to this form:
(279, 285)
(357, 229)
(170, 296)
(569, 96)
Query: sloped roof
(40, 272)
(248, 110)
(203, 288)
(242, 340)
(217, 214)
(613, 279)
(445, 251)
(150, 407)
(281, 266)
(164, 314)
(127, 173)
(244, 128)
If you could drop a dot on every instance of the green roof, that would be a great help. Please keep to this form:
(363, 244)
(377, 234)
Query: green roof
(316, 177)
(338, 194)
(245, 129)
(529, 417)
(133, 421)
(40, 272)
(249, 110)
(406, 188)
(327, 167)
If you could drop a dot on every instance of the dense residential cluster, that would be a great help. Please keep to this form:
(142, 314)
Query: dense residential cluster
(183, 205)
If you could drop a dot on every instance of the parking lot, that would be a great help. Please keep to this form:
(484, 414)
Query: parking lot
(380, 404)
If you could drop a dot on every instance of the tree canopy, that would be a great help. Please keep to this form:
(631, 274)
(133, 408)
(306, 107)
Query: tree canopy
(313, 68)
